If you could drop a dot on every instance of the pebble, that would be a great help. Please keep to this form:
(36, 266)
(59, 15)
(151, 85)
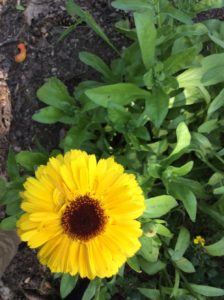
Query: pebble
(5, 292)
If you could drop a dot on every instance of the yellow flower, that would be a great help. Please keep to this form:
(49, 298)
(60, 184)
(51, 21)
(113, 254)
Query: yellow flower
(81, 214)
(199, 240)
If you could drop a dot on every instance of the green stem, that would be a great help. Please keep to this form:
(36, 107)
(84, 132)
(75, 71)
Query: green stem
(97, 295)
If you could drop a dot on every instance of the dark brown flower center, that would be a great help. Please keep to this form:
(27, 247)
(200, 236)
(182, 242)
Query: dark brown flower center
(84, 218)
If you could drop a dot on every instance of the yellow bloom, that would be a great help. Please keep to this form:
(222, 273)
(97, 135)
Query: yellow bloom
(199, 240)
(81, 214)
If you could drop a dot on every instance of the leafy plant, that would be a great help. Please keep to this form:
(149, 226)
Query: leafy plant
(158, 110)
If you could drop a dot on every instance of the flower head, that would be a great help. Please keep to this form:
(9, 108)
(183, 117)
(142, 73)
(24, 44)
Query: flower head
(199, 240)
(81, 214)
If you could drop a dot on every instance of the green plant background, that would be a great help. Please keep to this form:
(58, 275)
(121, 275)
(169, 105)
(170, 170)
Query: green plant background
(158, 110)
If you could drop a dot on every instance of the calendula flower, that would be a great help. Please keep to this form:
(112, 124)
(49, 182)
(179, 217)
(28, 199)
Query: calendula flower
(81, 214)
(199, 240)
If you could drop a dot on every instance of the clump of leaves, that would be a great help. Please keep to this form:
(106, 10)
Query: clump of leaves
(158, 110)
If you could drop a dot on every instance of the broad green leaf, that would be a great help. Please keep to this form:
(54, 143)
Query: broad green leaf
(152, 294)
(146, 33)
(209, 73)
(163, 230)
(183, 141)
(13, 208)
(48, 115)
(208, 126)
(9, 223)
(216, 39)
(67, 284)
(159, 206)
(55, 93)
(179, 171)
(96, 63)
(134, 264)
(11, 166)
(207, 4)
(120, 93)
(137, 5)
(216, 249)
(75, 10)
(183, 193)
(185, 265)
(216, 103)
(11, 195)
(151, 268)
(157, 106)
(149, 249)
(207, 291)
(183, 242)
(176, 14)
(91, 290)
(179, 61)
(75, 138)
(30, 160)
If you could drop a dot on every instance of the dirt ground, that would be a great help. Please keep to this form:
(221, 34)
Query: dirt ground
(25, 278)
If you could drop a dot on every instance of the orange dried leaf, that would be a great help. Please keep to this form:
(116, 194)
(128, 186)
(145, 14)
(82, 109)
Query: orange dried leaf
(21, 56)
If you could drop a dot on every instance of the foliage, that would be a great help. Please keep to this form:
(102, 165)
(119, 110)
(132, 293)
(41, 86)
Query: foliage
(157, 108)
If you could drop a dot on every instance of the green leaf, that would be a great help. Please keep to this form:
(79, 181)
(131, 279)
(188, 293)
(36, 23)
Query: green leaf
(134, 264)
(75, 138)
(183, 141)
(9, 223)
(149, 249)
(210, 211)
(30, 160)
(183, 193)
(68, 283)
(207, 291)
(216, 249)
(96, 63)
(13, 208)
(74, 9)
(179, 171)
(157, 106)
(211, 72)
(152, 294)
(146, 33)
(11, 195)
(20, 7)
(3, 187)
(183, 242)
(68, 30)
(120, 93)
(185, 265)
(48, 115)
(55, 93)
(91, 289)
(159, 206)
(181, 60)
(151, 268)
(216, 103)
(137, 5)
(177, 14)
(11, 166)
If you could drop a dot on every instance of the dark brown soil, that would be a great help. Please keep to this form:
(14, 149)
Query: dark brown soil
(46, 57)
